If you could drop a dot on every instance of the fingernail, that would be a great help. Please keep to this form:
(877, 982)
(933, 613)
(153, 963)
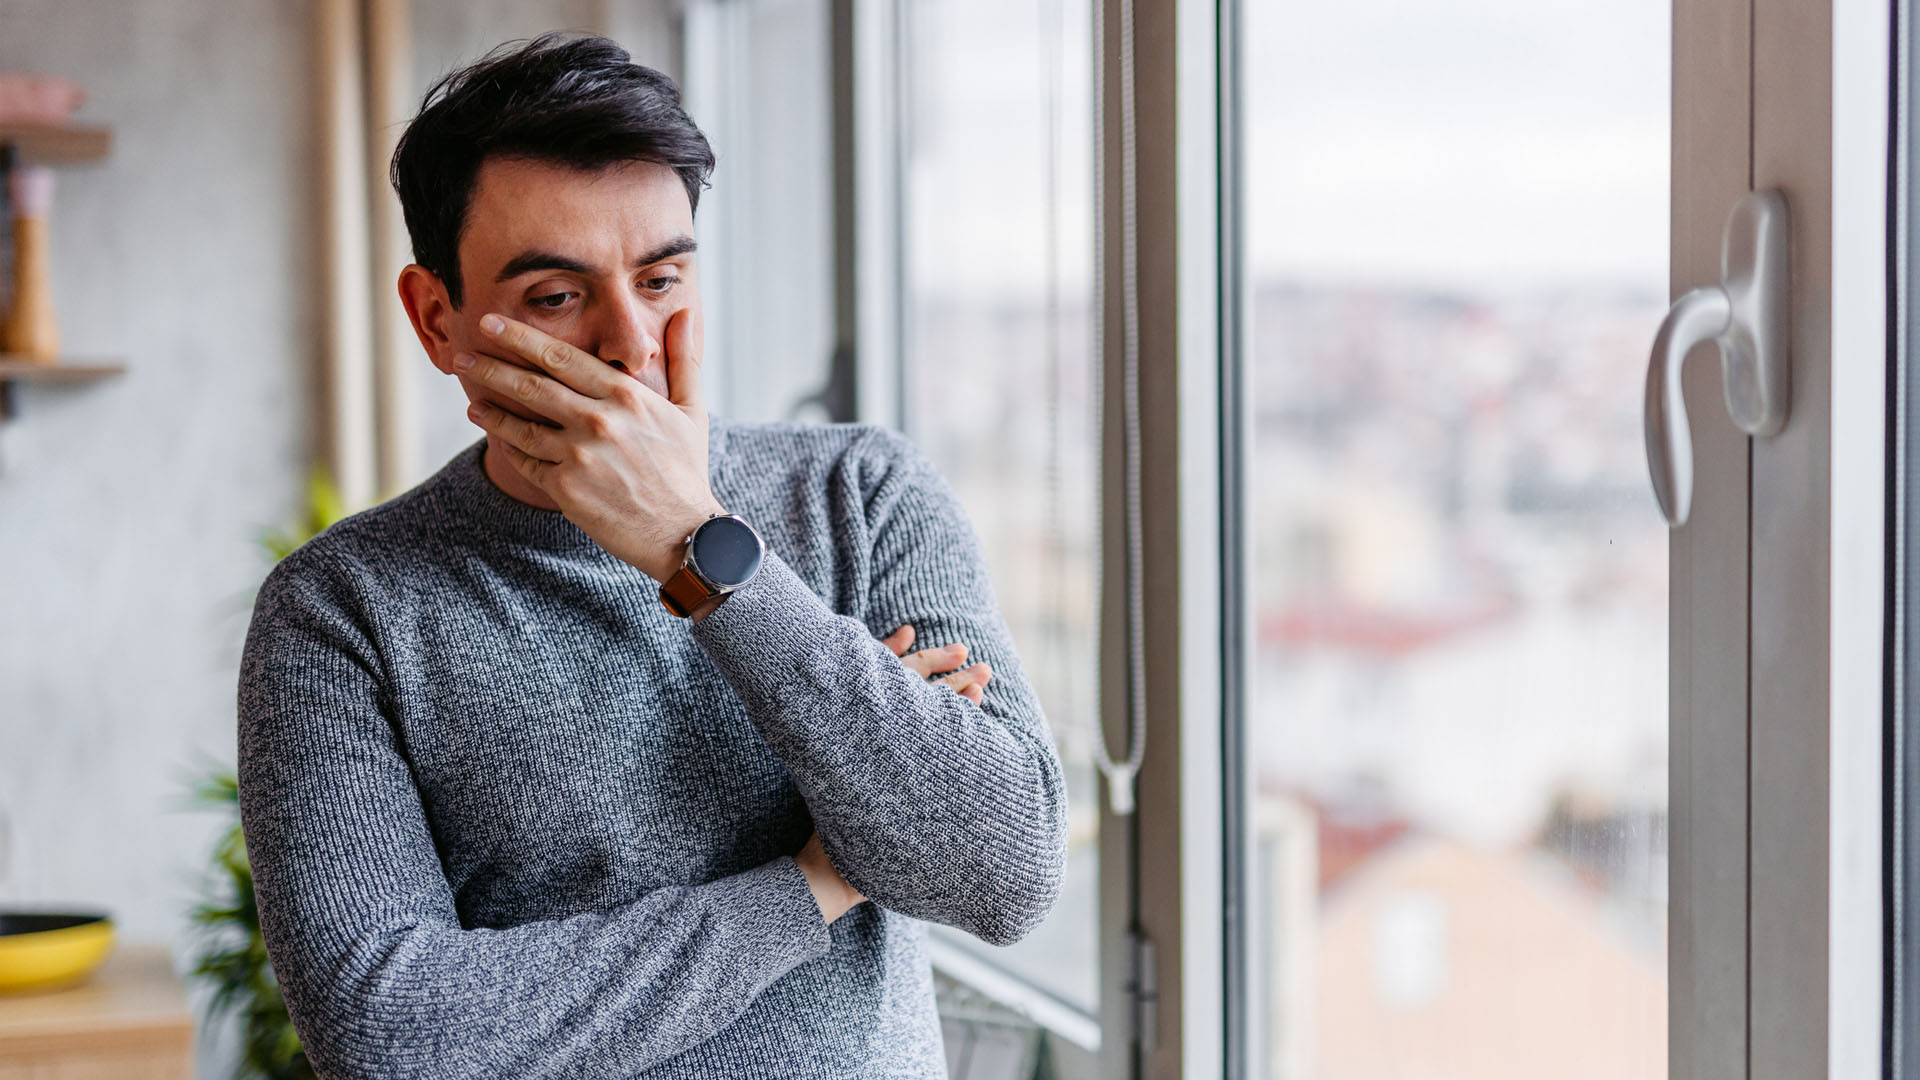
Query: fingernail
(492, 324)
(477, 410)
(463, 361)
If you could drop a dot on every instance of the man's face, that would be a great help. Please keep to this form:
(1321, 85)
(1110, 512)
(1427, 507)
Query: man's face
(601, 260)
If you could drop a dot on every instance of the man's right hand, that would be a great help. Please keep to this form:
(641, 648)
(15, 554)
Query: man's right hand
(830, 890)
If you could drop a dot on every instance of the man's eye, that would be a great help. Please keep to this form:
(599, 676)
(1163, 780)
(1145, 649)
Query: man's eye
(659, 284)
(551, 301)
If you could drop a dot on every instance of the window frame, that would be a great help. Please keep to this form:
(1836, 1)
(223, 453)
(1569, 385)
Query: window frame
(1902, 1003)
(1168, 859)
(1867, 201)
(1821, 80)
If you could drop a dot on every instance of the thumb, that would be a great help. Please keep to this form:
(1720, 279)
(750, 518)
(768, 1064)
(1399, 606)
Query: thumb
(685, 341)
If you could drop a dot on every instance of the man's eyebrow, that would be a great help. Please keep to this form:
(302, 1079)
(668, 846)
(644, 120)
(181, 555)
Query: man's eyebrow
(679, 245)
(528, 261)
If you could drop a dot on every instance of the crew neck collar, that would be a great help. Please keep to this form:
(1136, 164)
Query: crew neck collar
(493, 510)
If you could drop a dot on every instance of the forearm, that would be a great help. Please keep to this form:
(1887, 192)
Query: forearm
(412, 994)
(928, 804)
(380, 975)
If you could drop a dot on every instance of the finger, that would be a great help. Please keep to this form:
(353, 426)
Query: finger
(931, 662)
(582, 371)
(970, 689)
(534, 440)
(976, 674)
(526, 465)
(973, 678)
(477, 394)
(899, 641)
(685, 342)
(532, 390)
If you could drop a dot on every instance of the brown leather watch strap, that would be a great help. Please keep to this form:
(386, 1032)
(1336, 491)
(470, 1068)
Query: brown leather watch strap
(684, 591)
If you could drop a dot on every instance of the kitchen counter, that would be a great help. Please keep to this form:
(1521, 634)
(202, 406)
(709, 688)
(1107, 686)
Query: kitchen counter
(129, 1021)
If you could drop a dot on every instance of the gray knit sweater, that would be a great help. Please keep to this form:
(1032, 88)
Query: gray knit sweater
(508, 817)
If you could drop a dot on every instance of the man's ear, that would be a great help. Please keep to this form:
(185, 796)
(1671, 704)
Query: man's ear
(430, 310)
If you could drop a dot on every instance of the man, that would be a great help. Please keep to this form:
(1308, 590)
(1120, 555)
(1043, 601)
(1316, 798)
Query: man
(528, 795)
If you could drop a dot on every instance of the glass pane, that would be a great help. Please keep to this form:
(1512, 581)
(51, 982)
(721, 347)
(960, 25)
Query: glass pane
(998, 368)
(759, 84)
(1457, 254)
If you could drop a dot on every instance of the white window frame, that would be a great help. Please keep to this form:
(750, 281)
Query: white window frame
(1861, 676)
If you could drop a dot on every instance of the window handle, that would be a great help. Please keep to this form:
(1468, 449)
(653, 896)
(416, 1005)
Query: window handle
(1746, 315)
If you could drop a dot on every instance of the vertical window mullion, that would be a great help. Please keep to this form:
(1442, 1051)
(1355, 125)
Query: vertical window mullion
(1175, 856)
(1236, 619)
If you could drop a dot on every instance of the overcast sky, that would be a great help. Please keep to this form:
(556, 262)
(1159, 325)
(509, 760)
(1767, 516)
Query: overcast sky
(1439, 143)
(1499, 140)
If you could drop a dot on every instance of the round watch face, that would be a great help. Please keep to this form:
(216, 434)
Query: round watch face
(726, 551)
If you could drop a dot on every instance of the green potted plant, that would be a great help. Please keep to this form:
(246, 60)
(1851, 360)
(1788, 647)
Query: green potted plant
(233, 959)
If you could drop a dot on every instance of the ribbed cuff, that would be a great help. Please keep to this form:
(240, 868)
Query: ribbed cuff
(764, 620)
(785, 925)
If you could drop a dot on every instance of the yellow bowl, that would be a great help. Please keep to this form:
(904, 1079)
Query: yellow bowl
(44, 951)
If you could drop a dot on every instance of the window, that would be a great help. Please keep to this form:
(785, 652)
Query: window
(758, 82)
(1456, 250)
(998, 373)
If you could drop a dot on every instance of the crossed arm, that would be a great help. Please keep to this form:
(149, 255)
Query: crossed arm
(830, 889)
(378, 972)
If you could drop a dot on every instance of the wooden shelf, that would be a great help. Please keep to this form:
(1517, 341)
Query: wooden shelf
(15, 368)
(66, 371)
(41, 144)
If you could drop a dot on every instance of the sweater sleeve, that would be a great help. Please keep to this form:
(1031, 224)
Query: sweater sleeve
(928, 804)
(379, 975)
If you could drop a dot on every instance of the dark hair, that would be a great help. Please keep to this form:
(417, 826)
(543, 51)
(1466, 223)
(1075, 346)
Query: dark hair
(579, 101)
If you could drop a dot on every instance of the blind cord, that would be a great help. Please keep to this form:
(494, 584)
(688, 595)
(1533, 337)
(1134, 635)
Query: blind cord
(1121, 774)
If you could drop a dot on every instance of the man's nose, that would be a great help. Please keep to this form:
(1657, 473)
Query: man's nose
(629, 332)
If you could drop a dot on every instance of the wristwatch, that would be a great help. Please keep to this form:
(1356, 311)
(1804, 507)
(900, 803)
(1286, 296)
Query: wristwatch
(723, 554)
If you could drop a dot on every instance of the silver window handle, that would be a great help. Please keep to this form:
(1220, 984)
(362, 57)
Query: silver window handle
(1746, 315)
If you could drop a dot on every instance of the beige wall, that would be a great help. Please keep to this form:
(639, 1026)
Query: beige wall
(129, 509)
